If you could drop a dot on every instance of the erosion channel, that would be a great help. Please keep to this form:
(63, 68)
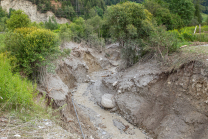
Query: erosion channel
(150, 102)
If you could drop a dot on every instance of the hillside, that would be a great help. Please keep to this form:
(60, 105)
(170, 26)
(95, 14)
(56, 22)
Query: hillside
(31, 10)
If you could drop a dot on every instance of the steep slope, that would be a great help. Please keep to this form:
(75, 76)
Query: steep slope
(31, 10)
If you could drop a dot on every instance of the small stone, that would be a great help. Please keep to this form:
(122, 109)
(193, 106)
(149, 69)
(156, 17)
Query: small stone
(115, 83)
(103, 132)
(17, 135)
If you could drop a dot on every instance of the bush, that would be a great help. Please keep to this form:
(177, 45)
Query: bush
(14, 91)
(187, 36)
(65, 34)
(32, 47)
(200, 37)
(51, 24)
(163, 42)
(18, 19)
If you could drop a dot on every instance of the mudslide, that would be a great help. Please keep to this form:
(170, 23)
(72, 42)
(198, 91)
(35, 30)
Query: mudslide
(109, 125)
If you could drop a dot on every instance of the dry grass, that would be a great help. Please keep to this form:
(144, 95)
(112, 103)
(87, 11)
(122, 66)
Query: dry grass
(186, 55)
(177, 59)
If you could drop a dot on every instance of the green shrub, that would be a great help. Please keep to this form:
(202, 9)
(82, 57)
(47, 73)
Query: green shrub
(201, 37)
(188, 36)
(32, 47)
(163, 42)
(18, 19)
(177, 34)
(65, 34)
(51, 24)
(14, 91)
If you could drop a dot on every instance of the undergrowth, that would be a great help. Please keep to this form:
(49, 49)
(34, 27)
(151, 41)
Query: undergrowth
(15, 91)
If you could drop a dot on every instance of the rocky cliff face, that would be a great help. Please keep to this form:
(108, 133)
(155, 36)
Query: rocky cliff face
(31, 10)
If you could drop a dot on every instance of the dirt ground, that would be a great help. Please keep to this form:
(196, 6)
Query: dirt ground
(153, 100)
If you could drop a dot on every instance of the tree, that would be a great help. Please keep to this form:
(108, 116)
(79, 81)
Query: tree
(121, 17)
(92, 13)
(197, 13)
(33, 48)
(184, 8)
(51, 24)
(18, 19)
(129, 24)
(3, 13)
(78, 29)
(97, 23)
(162, 14)
(65, 34)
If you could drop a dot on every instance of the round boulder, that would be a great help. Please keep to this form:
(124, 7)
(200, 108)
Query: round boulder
(108, 101)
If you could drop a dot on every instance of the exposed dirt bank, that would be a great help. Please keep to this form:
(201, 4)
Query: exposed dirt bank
(79, 77)
(168, 104)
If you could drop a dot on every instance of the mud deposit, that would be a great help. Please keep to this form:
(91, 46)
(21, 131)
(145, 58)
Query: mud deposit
(150, 102)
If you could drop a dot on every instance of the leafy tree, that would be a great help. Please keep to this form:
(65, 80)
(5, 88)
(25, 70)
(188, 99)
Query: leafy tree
(65, 34)
(129, 23)
(96, 22)
(18, 19)
(33, 48)
(3, 13)
(78, 28)
(184, 8)
(162, 14)
(121, 16)
(51, 24)
(197, 13)
(99, 11)
(69, 12)
(92, 13)
(10, 12)
(3, 18)
(162, 42)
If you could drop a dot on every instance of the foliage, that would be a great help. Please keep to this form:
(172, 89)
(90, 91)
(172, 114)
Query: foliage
(66, 12)
(10, 12)
(162, 14)
(97, 23)
(78, 29)
(18, 19)
(3, 13)
(129, 23)
(65, 34)
(15, 92)
(184, 8)
(37, 25)
(197, 13)
(163, 42)
(32, 47)
(70, 9)
(2, 36)
(3, 18)
(121, 16)
(51, 23)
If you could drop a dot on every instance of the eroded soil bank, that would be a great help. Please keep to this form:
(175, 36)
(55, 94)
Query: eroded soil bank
(169, 104)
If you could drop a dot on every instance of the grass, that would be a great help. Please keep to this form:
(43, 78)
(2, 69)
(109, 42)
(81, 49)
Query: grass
(196, 50)
(15, 92)
(183, 43)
